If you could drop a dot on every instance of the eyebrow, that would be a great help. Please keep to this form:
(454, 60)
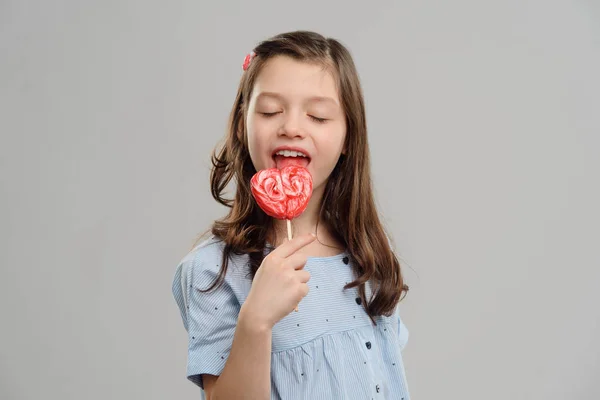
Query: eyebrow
(318, 99)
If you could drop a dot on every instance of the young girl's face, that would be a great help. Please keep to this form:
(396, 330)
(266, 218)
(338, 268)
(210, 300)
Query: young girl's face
(296, 105)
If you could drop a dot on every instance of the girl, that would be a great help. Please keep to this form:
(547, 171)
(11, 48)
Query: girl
(299, 102)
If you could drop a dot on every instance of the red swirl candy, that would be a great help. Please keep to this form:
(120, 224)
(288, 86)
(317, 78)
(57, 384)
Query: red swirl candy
(282, 194)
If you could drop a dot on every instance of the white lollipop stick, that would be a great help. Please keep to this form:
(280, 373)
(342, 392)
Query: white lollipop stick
(289, 229)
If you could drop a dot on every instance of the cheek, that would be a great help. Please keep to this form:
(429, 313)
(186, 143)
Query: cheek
(258, 143)
(333, 142)
(253, 144)
(330, 145)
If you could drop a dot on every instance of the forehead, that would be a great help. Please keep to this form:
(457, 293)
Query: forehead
(295, 79)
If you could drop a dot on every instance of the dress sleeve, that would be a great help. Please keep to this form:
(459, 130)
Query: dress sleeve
(209, 318)
(402, 330)
(402, 333)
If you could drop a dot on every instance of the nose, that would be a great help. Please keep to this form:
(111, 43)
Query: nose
(291, 126)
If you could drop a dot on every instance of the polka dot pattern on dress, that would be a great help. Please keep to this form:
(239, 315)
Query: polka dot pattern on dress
(337, 342)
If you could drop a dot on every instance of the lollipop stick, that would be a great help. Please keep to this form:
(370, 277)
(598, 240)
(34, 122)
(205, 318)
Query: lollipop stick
(289, 229)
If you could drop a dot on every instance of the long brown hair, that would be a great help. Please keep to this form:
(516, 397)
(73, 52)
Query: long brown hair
(347, 206)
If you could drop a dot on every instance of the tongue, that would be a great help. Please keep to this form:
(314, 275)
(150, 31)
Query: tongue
(283, 161)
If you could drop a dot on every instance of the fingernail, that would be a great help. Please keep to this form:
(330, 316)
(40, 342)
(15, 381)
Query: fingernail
(313, 235)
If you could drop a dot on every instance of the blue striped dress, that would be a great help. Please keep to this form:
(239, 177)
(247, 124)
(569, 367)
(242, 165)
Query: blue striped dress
(328, 350)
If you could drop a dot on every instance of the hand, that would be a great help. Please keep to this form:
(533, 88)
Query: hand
(280, 282)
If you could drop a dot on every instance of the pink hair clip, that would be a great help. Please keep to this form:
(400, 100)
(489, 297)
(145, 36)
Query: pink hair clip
(248, 60)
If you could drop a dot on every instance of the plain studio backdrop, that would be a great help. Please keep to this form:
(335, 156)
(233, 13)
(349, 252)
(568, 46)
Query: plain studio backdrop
(484, 127)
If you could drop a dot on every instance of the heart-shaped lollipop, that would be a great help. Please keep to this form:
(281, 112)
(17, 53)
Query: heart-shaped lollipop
(282, 194)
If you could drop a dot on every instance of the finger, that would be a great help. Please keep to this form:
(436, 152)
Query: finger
(303, 290)
(303, 275)
(303, 293)
(295, 261)
(290, 247)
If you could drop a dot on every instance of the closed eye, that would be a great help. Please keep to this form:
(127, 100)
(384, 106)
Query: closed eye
(270, 114)
(317, 119)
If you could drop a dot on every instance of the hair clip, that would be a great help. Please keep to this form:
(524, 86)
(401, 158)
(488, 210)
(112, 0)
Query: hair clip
(248, 60)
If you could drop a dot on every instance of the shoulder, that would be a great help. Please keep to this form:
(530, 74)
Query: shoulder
(201, 267)
(204, 259)
(208, 249)
(201, 257)
(203, 264)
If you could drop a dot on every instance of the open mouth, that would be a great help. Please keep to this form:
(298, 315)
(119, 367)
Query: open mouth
(284, 158)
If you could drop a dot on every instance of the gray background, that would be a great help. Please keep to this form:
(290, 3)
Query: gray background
(484, 128)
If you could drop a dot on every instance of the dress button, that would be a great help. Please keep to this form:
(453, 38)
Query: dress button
(377, 388)
(345, 260)
(358, 301)
(368, 345)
